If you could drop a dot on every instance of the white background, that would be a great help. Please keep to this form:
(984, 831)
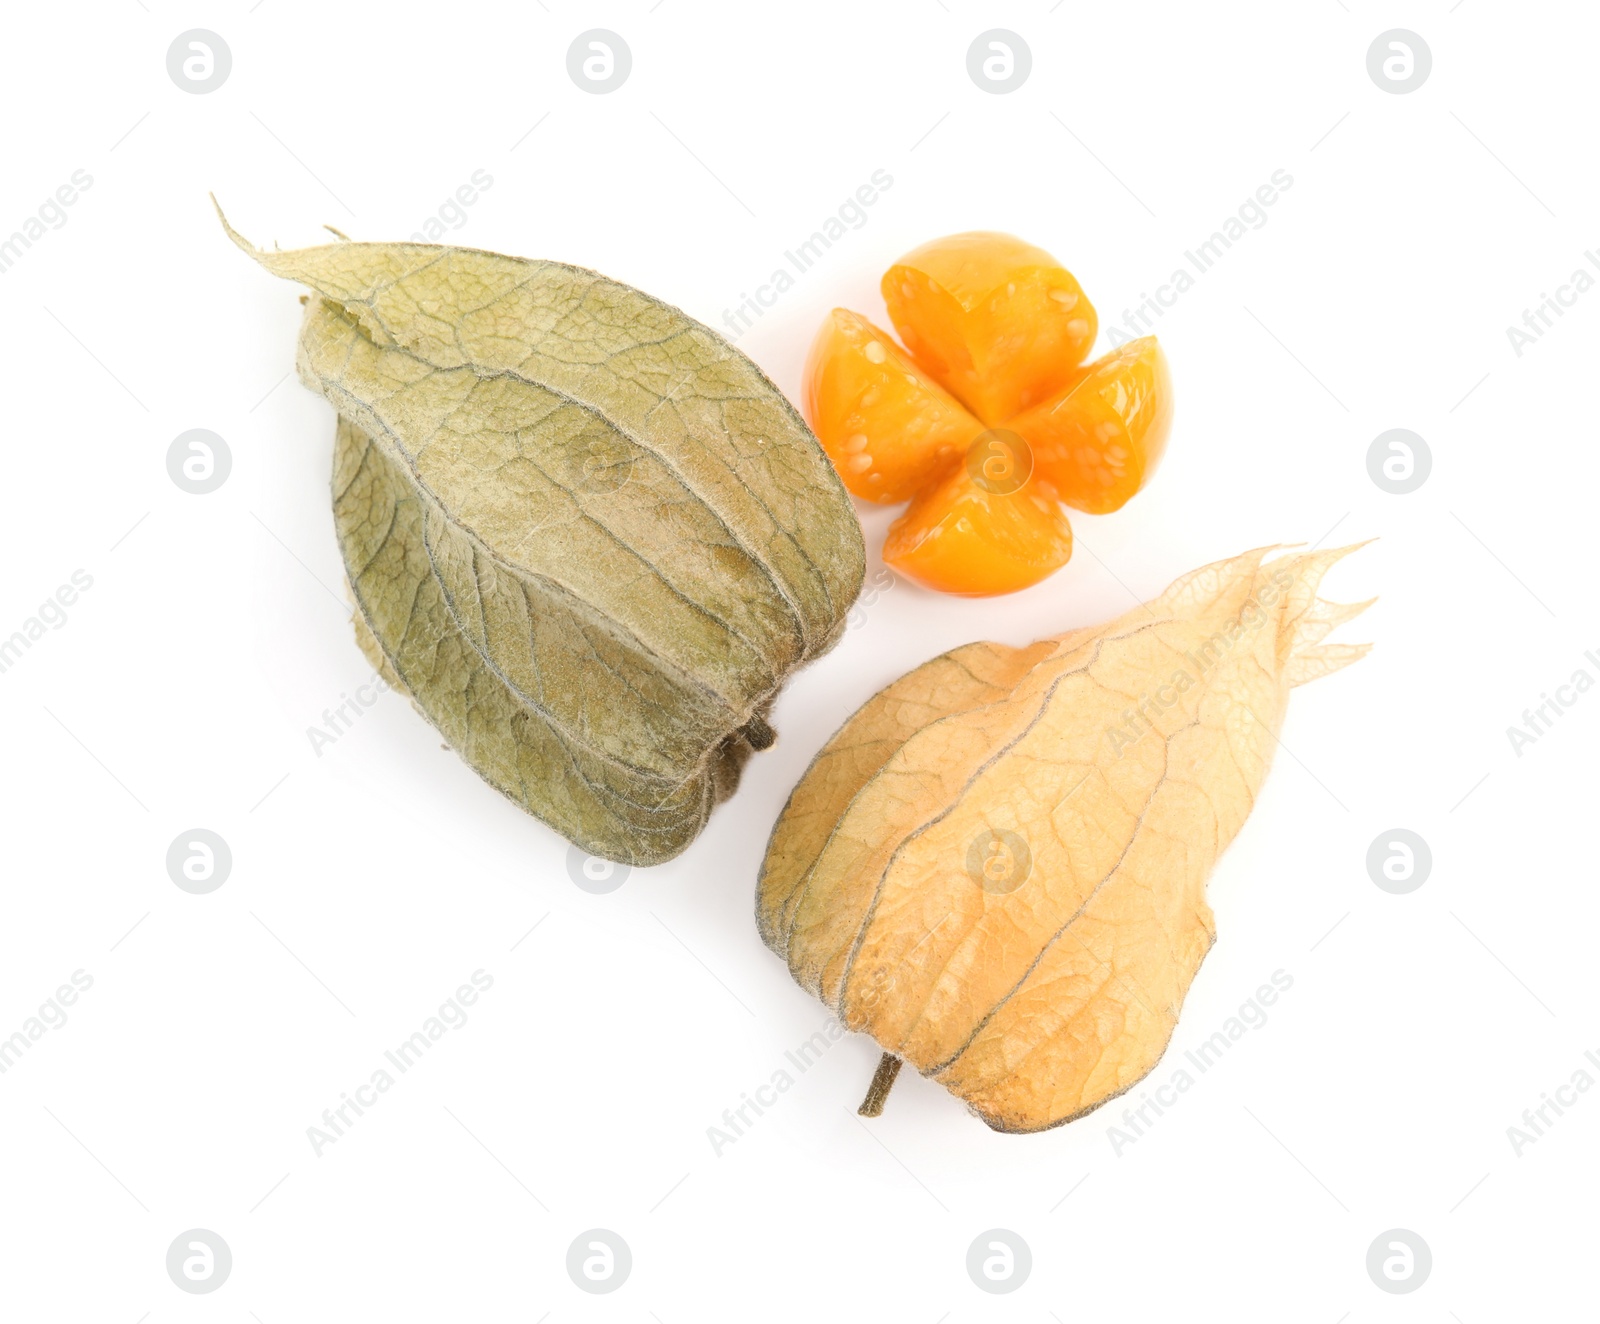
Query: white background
(370, 881)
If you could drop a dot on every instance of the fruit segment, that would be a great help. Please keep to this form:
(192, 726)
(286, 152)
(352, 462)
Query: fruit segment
(1099, 438)
(998, 323)
(886, 425)
(960, 538)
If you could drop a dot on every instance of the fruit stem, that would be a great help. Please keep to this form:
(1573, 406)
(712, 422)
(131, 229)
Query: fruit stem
(882, 1082)
(759, 734)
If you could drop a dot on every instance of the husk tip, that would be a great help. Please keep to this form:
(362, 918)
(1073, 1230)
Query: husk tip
(238, 239)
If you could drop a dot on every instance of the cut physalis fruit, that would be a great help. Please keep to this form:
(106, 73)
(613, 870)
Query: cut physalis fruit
(886, 426)
(1100, 436)
(961, 537)
(999, 323)
(988, 419)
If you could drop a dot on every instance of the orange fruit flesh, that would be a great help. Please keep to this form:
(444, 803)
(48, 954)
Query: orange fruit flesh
(886, 425)
(998, 323)
(1100, 437)
(990, 394)
(958, 538)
